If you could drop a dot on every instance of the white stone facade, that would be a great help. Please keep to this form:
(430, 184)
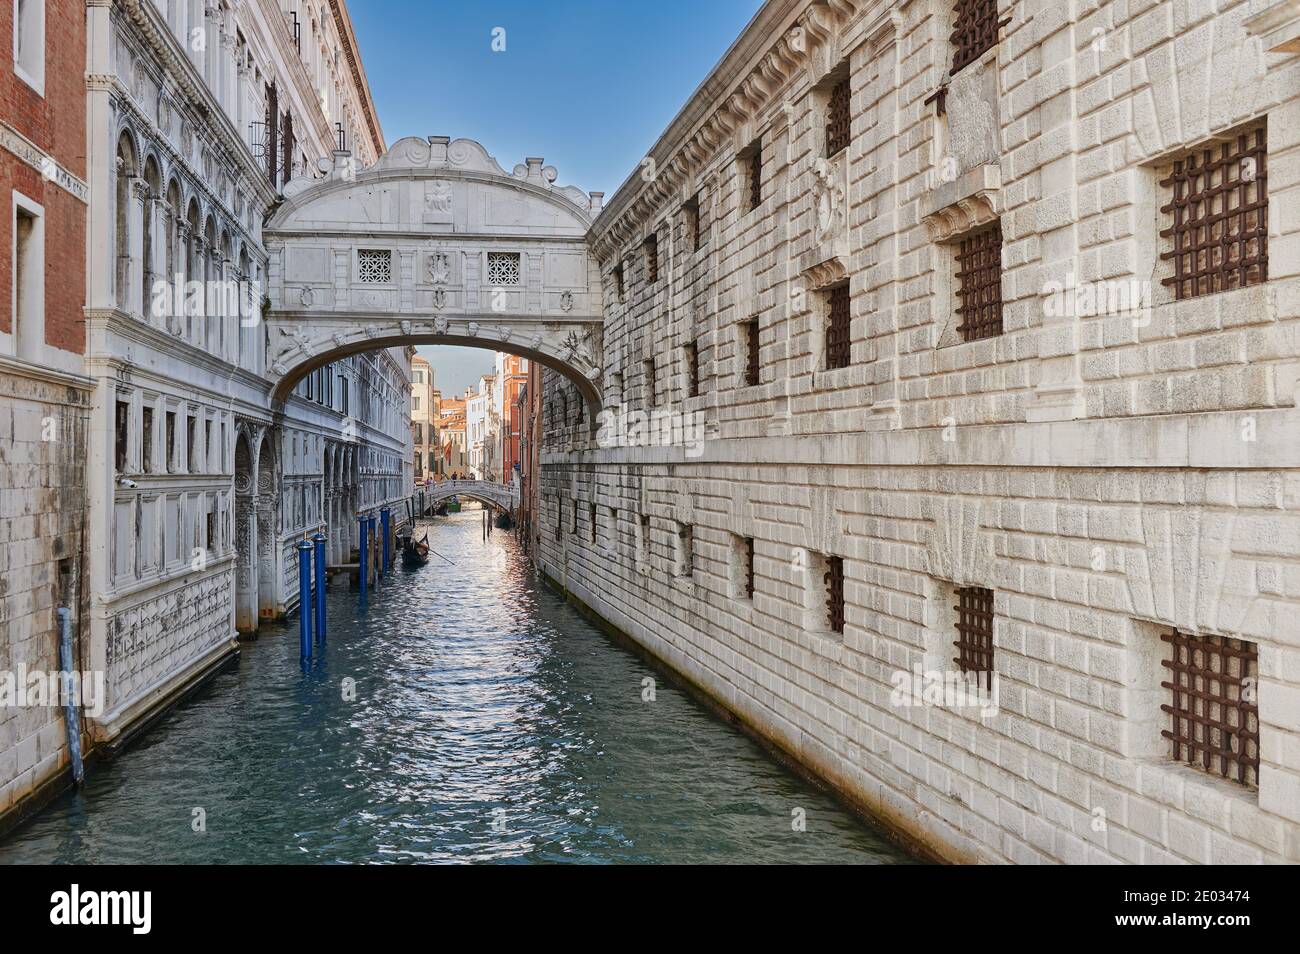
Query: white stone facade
(201, 480)
(1109, 476)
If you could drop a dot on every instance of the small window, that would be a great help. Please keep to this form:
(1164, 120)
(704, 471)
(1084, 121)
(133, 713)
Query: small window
(974, 640)
(691, 223)
(648, 370)
(692, 356)
(643, 538)
(652, 259)
(975, 27)
(503, 268)
(591, 516)
(173, 451)
(29, 43)
(28, 282)
(979, 275)
(191, 455)
(834, 580)
(559, 517)
(837, 118)
(839, 347)
(752, 161)
(1216, 216)
(747, 564)
(1213, 713)
(374, 266)
(685, 549)
(146, 441)
(122, 436)
(573, 525)
(210, 527)
(618, 280)
(749, 342)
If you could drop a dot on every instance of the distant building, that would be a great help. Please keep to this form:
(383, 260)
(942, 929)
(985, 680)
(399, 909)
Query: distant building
(426, 448)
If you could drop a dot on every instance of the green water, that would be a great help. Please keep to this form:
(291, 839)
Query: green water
(490, 723)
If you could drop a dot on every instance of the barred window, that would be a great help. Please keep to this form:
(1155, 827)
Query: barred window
(374, 266)
(975, 27)
(643, 543)
(837, 118)
(974, 640)
(503, 268)
(749, 333)
(1217, 216)
(618, 280)
(979, 272)
(559, 516)
(834, 578)
(747, 553)
(838, 345)
(1213, 713)
(652, 259)
(692, 370)
(591, 516)
(573, 525)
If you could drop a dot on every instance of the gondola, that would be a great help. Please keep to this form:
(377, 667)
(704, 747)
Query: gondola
(415, 553)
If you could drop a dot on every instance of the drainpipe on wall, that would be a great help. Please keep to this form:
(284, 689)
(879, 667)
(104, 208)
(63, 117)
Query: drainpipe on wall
(70, 713)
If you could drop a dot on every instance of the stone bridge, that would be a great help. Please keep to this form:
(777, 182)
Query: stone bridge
(505, 496)
(434, 244)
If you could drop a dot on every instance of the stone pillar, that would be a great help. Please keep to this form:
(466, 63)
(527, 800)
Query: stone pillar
(138, 193)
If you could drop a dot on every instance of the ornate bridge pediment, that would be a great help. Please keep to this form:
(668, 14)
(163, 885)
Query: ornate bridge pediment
(434, 244)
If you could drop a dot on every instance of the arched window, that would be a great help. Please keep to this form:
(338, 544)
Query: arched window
(126, 170)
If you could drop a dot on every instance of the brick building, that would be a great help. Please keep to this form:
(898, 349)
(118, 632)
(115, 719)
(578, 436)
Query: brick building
(989, 311)
(44, 395)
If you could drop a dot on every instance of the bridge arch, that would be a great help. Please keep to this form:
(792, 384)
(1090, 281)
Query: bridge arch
(505, 496)
(435, 243)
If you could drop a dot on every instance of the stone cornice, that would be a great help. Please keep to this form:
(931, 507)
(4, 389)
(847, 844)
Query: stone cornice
(169, 54)
(746, 81)
(344, 25)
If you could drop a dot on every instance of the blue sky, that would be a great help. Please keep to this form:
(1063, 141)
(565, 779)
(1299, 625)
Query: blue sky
(586, 84)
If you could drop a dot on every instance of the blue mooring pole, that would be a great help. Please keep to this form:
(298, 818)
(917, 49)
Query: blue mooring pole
(319, 540)
(385, 521)
(374, 541)
(364, 525)
(305, 609)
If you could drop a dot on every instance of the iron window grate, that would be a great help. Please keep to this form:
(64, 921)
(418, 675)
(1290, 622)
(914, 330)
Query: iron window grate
(838, 345)
(693, 370)
(837, 118)
(752, 365)
(834, 578)
(979, 271)
(1217, 238)
(755, 163)
(975, 27)
(618, 280)
(1214, 719)
(974, 640)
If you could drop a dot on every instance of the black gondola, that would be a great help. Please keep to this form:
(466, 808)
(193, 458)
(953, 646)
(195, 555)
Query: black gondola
(415, 553)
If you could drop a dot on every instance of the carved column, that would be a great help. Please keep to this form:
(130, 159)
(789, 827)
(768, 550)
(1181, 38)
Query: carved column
(139, 193)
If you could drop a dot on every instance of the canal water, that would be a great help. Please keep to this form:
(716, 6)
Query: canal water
(490, 722)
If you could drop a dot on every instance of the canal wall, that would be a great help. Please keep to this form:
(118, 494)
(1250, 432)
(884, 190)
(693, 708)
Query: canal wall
(963, 556)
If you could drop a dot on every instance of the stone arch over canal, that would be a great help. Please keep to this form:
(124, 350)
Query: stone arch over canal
(435, 243)
(502, 496)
